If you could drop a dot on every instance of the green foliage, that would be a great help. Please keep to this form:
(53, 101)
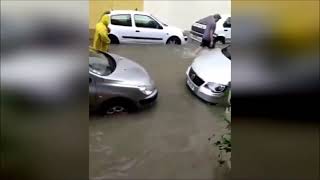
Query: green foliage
(223, 142)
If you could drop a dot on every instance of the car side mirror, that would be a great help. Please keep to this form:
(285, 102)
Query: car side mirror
(160, 27)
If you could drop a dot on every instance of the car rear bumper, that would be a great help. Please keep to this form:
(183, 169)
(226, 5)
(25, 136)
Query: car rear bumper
(196, 36)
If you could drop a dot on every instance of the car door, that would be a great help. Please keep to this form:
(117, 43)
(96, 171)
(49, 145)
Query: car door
(227, 27)
(121, 27)
(147, 29)
(92, 91)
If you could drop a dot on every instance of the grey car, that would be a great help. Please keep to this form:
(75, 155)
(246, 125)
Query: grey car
(117, 84)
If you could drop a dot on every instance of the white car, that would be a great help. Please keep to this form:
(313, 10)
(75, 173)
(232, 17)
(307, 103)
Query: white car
(209, 76)
(128, 26)
(223, 29)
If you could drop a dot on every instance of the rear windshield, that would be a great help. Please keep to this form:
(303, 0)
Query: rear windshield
(101, 64)
(227, 52)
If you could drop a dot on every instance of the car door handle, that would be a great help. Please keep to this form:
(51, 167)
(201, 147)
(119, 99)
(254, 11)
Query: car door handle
(226, 30)
(137, 31)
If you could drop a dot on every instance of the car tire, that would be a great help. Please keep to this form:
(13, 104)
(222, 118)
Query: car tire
(221, 39)
(117, 106)
(113, 39)
(173, 40)
(212, 104)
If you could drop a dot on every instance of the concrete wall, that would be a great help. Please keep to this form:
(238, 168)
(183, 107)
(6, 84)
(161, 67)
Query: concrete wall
(175, 12)
(97, 7)
(183, 13)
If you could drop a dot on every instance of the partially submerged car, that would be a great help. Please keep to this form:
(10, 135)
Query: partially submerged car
(209, 76)
(223, 29)
(128, 26)
(117, 84)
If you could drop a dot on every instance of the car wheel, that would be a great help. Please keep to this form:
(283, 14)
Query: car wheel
(115, 109)
(117, 106)
(221, 39)
(111, 108)
(113, 39)
(173, 40)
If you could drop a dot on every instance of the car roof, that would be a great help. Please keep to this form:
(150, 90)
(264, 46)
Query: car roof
(128, 12)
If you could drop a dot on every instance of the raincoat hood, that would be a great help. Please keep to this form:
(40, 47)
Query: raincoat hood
(105, 20)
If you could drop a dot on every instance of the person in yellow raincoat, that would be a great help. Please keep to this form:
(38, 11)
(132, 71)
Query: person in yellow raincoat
(101, 40)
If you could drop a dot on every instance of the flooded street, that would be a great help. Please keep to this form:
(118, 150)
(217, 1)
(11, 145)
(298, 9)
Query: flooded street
(167, 140)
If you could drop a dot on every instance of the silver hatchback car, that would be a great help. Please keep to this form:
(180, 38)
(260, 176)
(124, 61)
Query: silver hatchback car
(209, 76)
(117, 84)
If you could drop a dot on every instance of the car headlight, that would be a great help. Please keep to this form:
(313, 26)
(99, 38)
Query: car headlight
(214, 87)
(146, 90)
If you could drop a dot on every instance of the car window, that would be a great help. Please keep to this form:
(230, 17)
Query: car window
(144, 21)
(121, 20)
(227, 52)
(227, 23)
(100, 64)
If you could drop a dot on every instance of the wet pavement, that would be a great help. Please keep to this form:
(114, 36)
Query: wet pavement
(166, 141)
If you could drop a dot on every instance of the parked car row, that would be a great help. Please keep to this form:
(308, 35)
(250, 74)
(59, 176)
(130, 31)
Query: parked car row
(129, 26)
(118, 84)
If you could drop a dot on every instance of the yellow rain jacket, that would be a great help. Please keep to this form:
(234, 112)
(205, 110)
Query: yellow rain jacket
(101, 40)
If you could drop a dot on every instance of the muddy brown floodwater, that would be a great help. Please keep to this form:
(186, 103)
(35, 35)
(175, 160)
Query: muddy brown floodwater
(167, 140)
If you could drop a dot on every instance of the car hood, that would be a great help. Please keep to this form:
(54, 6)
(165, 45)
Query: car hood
(213, 66)
(129, 72)
(173, 29)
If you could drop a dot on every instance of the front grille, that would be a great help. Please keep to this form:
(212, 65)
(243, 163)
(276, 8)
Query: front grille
(195, 78)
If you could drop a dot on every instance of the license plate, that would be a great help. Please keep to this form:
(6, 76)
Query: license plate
(190, 85)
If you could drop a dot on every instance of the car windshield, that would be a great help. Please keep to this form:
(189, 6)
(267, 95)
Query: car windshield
(101, 64)
(159, 20)
(227, 52)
